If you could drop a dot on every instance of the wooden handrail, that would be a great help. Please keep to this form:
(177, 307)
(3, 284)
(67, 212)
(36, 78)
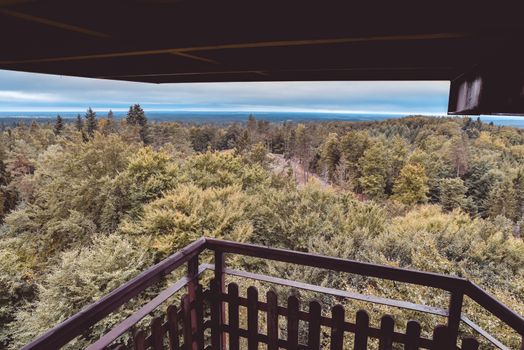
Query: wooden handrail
(449, 283)
(427, 279)
(78, 323)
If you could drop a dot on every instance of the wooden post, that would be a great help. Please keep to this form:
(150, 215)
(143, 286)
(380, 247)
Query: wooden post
(220, 284)
(455, 313)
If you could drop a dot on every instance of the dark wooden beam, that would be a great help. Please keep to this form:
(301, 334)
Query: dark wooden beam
(52, 23)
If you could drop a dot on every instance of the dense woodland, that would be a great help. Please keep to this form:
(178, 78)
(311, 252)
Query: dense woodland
(87, 204)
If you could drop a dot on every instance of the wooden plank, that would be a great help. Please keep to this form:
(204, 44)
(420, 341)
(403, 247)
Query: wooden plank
(272, 320)
(361, 332)
(314, 325)
(192, 274)
(337, 329)
(199, 308)
(139, 340)
(220, 276)
(157, 334)
(292, 322)
(252, 318)
(387, 327)
(215, 314)
(412, 335)
(441, 338)
(233, 316)
(75, 325)
(187, 328)
(172, 329)
(484, 333)
(470, 343)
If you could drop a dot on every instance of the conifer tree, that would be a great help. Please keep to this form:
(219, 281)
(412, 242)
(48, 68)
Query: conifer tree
(59, 125)
(79, 123)
(91, 122)
(137, 117)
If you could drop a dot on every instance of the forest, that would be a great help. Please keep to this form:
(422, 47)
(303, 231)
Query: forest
(87, 204)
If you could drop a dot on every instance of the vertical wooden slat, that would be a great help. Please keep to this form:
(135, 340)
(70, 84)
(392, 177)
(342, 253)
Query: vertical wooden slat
(441, 338)
(292, 322)
(337, 330)
(187, 328)
(215, 314)
(139, 340)
(314, 326)
(157, 334)
(361, 331)
(192, 273)
(252, 318)
(220, 265)
(412, 335)
(272, 320)
(232, 291)
(172, 329)
(470, 343)
(387, 327)
(199, 312)
(455, 312)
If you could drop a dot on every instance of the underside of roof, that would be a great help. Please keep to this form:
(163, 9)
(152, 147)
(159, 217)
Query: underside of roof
(169, 41)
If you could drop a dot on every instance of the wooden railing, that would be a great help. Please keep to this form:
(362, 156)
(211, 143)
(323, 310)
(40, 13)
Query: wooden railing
(188, 322)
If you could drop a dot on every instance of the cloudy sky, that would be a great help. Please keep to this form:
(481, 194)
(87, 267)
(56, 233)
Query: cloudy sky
(27, 92)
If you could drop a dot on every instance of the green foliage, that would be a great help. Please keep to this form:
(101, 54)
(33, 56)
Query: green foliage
(452, 193)
(411, 186)
(82, 276)
(86, 211)
(59, 125)
(188, 213)
(91, 122)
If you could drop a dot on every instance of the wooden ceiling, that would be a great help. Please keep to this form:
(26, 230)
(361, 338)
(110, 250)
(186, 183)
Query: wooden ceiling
(166, 41)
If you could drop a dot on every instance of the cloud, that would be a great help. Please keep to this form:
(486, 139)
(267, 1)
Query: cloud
(22, 96)
(39, 92)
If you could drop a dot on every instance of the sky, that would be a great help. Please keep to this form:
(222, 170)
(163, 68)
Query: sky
(29, 92)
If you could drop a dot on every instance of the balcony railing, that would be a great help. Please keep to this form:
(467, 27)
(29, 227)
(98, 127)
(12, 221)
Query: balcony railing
(210, 318)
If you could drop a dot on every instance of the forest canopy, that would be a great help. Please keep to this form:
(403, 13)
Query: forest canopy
(87, 204)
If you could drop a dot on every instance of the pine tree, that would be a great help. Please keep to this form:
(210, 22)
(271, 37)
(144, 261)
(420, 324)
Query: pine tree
(330, 155)
(110, 124)
(137, 117)
(59, 125)
(79, 123)
(453, 193)
(91, 122)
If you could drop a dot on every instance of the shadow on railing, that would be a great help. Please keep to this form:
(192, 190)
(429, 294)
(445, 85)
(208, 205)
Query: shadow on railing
(190, 322)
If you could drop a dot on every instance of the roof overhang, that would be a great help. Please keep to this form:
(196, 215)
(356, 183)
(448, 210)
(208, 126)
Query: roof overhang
(170, 41)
